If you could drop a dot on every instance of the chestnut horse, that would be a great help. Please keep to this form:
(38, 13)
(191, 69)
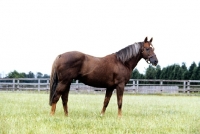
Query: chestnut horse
(111, 72)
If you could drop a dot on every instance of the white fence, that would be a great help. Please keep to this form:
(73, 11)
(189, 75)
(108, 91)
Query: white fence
(133, 86)
(24, 84)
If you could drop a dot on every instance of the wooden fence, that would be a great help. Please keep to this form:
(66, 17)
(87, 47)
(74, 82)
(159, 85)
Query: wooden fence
(133, 86)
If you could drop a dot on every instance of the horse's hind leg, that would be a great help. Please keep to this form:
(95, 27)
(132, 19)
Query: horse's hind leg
(55, 100)
(65, 99)
(59, 91)
(106, 100)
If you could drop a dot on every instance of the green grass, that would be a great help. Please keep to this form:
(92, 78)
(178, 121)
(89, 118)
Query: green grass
(26, 113)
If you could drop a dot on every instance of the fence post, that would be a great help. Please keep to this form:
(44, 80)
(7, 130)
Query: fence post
(38, 85)
(161, 83)
(134, 85)
(13, 86)
(184, 85)
(77, 85)
(137, 85)
(18, 84)
(48, 86)
(188, 87)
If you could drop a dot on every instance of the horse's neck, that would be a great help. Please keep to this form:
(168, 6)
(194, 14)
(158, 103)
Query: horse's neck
(131, 64)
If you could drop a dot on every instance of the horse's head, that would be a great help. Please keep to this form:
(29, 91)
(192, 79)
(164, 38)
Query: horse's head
(148, 52)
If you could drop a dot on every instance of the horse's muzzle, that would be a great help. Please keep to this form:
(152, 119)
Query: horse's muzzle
(153, 60)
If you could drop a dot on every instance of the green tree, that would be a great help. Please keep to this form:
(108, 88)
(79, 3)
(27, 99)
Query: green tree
(176, 72)
(184, 75)
(179, 75)
(16, 74)
(158, 72)
(39, 75)
(191, 71)
(150, 73)
(30, 75)
(194, 74)
(198, 72)
(135, 74)
(46, 76)
(164, 73)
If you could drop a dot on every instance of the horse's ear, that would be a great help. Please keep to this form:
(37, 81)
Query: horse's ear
(151, 40)
(145, 40)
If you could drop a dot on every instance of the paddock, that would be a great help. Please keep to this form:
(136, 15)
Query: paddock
(23, 113)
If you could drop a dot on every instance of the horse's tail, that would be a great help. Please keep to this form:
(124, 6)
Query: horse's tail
(53, 82)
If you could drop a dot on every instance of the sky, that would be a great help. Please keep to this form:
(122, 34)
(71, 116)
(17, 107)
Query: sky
(34, 32)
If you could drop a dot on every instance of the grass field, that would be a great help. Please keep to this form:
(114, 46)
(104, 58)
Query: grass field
(28, 113)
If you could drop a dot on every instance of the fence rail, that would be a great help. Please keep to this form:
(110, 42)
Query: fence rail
(133, 86)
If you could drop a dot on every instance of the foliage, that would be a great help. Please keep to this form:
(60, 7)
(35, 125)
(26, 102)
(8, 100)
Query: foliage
(150, 73)
(30, 75)
(39, 75)
(46, 76)
(171, 72)
(136, 74)
(16, 74)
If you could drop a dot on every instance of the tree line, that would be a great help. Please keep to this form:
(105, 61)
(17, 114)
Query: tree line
(171, 72)
(16, 74)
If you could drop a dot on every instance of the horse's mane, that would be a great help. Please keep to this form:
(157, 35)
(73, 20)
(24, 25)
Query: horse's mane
(128, 52)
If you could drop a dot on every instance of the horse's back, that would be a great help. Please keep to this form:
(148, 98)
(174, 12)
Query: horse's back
(71, 57)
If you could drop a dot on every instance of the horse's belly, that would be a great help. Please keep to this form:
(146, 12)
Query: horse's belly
(96, 82)
(97, 73)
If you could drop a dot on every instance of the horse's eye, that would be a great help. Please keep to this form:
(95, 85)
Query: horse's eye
(147, 49)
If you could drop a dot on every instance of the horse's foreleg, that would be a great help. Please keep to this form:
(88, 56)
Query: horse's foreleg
(120, 91)
(106, 100)
(65, 100)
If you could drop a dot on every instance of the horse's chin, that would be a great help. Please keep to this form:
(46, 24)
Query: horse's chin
(154, 64)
